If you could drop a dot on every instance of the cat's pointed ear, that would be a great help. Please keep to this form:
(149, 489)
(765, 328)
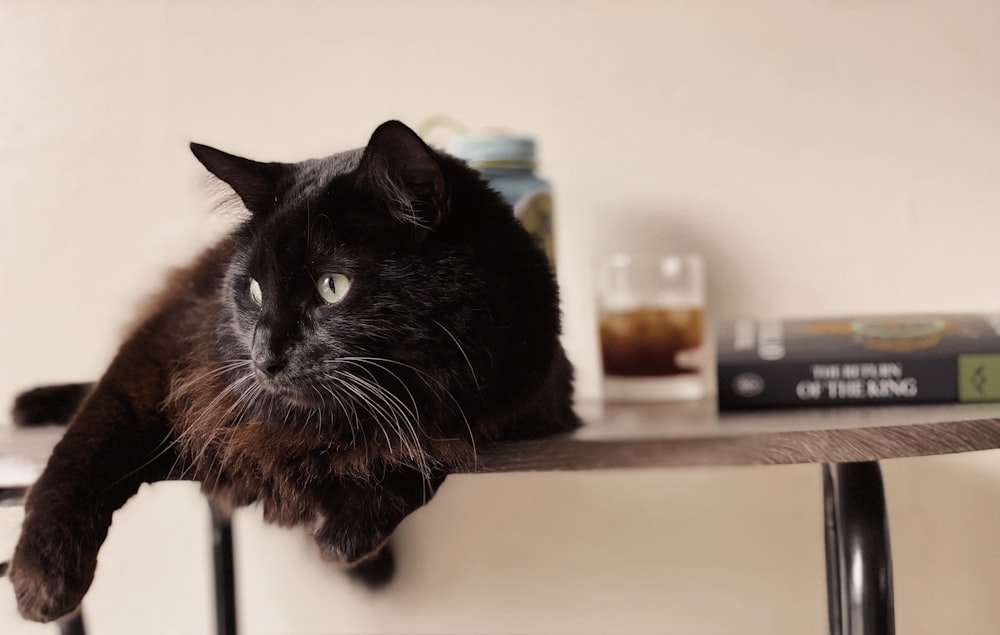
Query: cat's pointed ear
(254, 182)
(398, 166)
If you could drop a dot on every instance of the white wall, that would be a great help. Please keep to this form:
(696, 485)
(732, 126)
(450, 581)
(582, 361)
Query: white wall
(827, 156)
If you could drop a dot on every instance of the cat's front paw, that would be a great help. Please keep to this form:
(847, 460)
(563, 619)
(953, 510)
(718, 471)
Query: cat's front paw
(349, 544)
(50, 575)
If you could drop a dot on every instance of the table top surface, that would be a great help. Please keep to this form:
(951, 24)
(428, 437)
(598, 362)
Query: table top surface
(678, 434)
(696, 433)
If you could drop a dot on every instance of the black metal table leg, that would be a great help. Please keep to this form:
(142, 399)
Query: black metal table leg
(225, 582)
(72, 625)
(858, 555)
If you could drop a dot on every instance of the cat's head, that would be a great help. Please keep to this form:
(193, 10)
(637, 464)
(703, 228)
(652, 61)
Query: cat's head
(381, 282)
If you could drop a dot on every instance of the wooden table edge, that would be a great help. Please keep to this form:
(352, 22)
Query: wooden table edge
(838, 445)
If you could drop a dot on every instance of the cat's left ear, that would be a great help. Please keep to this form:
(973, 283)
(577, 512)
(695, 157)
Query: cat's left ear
(404, 171)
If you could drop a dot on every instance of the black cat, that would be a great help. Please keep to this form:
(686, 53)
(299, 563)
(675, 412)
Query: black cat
(378, 317)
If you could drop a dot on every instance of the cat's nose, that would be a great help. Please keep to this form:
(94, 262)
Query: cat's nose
(269, 349)
(270, 365)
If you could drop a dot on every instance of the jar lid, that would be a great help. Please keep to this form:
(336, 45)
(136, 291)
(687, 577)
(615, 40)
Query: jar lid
(493, 148)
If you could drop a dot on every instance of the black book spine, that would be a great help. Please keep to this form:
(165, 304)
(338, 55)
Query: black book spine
(784, 383)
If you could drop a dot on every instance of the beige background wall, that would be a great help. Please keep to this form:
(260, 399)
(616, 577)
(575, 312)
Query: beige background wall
(827, 156)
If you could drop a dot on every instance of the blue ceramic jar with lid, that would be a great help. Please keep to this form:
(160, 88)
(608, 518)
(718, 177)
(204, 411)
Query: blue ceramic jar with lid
(507, 161)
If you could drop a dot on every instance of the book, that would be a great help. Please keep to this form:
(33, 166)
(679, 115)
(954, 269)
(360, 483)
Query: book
(889, 359)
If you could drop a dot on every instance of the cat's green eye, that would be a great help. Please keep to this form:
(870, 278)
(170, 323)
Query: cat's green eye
(255, 293)
(333, 287)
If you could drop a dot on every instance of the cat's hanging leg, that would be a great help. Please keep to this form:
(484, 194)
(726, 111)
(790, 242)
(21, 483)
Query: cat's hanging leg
(118, 440)
(360, 516)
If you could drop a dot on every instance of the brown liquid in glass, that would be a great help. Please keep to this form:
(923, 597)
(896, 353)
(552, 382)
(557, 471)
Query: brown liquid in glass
(645, 342)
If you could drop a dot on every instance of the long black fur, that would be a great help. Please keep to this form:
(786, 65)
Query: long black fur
(378, 318)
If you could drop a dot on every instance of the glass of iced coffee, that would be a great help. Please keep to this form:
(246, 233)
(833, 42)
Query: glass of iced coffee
(651, 316)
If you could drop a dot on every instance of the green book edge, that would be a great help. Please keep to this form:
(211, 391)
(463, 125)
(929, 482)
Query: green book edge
(979, 377)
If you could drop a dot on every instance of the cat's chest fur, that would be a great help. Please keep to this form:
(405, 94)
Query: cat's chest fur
(285, 458)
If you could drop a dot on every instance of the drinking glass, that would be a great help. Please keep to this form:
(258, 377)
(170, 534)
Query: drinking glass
(651, 317)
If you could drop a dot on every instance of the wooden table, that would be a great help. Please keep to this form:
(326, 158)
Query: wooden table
(695, 433)
(848, 442)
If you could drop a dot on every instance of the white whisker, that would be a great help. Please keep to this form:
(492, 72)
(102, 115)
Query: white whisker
(432, 384)
(468, 362)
